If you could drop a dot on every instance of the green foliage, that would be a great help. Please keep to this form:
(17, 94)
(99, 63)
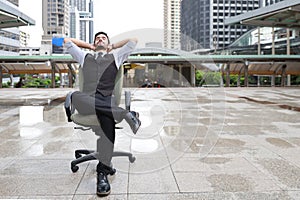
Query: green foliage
(263, 80)
(297, 81)
(234, 80)
(207, 78)
(6, 85)
(199, 77)
(37, 82)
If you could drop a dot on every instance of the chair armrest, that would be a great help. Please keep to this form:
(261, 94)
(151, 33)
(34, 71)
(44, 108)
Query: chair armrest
(68, 106)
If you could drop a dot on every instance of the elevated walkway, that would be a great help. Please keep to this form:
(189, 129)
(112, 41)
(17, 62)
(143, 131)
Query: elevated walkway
(10, 16)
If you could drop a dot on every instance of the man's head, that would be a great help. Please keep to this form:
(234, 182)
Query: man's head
(101, 39)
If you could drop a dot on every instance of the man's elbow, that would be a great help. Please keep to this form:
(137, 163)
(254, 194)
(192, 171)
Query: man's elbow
(67, 40)
(135, 40)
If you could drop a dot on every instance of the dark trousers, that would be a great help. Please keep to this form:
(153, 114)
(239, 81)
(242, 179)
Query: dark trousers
(107, 114)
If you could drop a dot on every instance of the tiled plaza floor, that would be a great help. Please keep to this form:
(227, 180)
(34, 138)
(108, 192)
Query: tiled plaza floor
(194, 143)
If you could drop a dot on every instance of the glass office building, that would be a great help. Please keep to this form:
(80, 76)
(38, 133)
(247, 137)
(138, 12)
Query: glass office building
(15, 2)
(270, 2)
(172, 24)
(82, 20)
(202, 22)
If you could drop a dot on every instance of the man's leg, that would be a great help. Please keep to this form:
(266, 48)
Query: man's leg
(131, 117)
(106, 106)
(79, 101)
(83, 103)
(105, 146)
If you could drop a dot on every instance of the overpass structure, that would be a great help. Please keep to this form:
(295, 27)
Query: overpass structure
(284, 14)
(185, 64)
(10, 16)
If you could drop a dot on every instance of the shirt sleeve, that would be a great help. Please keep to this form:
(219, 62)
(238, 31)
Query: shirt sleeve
(77, 54)
(123, 53)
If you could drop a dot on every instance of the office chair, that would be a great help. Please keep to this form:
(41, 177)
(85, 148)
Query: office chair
(90, 122)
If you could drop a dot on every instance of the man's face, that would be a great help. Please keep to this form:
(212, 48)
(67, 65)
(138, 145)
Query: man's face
(101, 40)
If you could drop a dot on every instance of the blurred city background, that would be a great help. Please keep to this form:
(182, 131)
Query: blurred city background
(210, 43)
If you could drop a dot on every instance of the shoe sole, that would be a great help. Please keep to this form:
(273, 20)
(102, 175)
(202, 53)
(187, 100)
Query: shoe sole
(138, 128)
(137, 115)
(103, 194)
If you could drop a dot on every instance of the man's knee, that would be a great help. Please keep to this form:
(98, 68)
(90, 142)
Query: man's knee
(83, 103)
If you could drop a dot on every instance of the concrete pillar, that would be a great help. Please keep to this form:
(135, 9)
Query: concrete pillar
(52, 74)
(180, 75)
(258, 41)
(221, 81)
(228, 75)
(11, 80)
(246, 82)
(273, 80)
(288, 42)
(1, 76)
(288, 80)
(239, 80)
(62, 82)
(70, 75)
(283, 76)
(258, 81)
(193, 76)
(273, 41)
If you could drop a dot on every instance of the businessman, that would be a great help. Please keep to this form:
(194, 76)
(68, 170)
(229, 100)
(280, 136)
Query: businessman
(100, 67)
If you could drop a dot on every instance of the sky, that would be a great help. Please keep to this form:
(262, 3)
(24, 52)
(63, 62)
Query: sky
(119, 18)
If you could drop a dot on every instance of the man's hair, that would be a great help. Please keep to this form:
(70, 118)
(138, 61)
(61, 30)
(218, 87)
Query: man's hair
(103, 33)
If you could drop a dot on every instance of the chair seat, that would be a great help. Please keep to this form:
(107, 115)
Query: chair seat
(85, 120)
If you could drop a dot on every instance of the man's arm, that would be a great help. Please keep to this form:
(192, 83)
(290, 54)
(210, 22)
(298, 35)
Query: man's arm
(74, 48)
(126, 47)
(80, 43)
(123, 42)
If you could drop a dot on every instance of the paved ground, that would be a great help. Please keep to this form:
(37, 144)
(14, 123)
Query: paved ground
(195, 143)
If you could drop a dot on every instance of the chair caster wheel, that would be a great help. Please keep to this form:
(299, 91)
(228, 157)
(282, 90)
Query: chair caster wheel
(132, 159)
(74, 168)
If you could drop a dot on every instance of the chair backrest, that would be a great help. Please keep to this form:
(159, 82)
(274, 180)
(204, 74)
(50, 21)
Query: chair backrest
(91, 120)
(118, 84)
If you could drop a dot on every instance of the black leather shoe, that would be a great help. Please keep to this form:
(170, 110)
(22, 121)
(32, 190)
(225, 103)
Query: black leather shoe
(112, 170)
(108, 170)
(103, 186)
(132, 119)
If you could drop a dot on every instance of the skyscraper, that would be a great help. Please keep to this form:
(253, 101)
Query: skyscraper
(55, 21)
(15, 2)
(270, 2)
(172, 24)
(55, 17)
(81, 20)
(202, 22)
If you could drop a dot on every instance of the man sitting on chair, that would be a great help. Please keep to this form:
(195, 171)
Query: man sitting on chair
(99, 73)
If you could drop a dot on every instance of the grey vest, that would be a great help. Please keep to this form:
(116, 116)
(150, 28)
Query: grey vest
(99, 74)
